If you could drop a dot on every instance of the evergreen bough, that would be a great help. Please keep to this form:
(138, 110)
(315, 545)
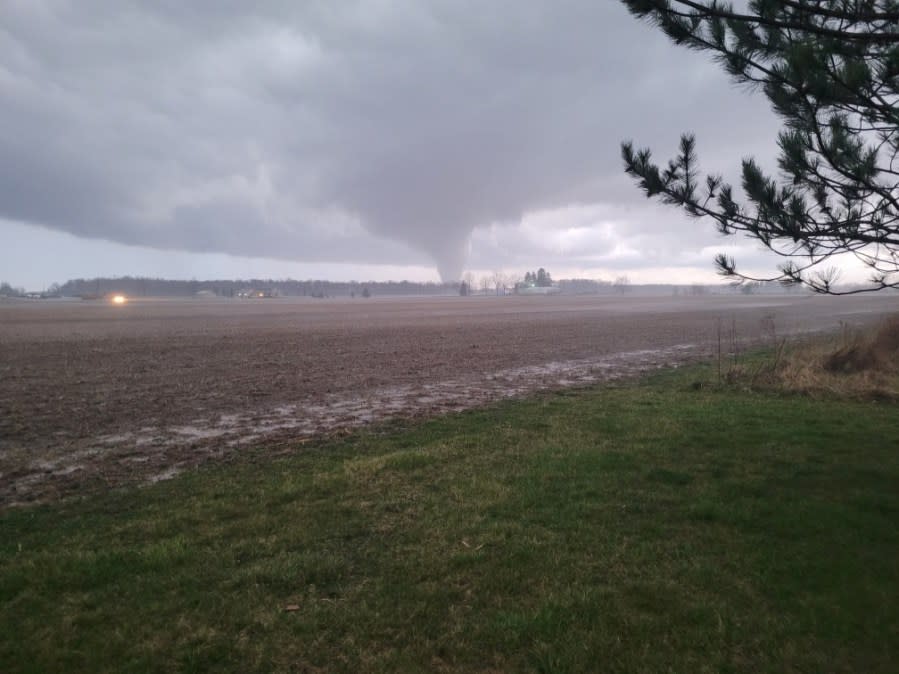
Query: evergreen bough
(831, 71)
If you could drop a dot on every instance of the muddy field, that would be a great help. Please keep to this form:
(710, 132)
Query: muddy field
(95, 395)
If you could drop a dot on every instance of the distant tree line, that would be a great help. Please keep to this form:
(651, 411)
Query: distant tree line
(155, 287)
(7, 290)
(496, 283)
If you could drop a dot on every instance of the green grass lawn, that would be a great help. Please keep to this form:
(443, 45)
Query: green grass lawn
(650, 527)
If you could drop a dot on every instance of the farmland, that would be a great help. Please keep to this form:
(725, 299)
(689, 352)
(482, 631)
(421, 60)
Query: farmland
(670, 522)
(94, 395)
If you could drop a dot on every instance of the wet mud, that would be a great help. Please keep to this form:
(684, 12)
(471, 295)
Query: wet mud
(94, 397)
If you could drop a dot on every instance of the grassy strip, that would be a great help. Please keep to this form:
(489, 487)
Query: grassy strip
(655, 526)
(860, 364)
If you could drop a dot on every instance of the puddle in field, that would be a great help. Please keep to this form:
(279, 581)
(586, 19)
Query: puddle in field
(166, 474)
(347, 411)
(156, 453)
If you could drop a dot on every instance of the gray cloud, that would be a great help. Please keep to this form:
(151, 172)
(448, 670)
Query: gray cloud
(349, 132)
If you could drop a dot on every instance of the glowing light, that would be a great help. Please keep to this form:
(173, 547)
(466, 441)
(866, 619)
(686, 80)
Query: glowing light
(119, 299)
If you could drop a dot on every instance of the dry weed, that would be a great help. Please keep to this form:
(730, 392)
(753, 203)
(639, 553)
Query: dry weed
(865, 351)
(855, 364)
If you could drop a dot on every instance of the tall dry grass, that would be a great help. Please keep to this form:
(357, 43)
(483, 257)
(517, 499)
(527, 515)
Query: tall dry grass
(856, 363)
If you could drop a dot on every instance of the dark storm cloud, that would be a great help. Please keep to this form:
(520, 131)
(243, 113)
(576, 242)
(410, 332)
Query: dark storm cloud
(354, 132)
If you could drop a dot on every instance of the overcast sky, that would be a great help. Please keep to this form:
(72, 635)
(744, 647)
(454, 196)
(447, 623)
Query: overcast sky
(352, 140)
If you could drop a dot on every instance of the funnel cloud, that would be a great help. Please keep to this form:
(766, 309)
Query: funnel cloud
(353, 132)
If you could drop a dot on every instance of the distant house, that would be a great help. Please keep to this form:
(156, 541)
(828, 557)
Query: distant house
(525, 289)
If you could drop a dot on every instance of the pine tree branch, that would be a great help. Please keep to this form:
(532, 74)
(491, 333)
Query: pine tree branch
(703, 11)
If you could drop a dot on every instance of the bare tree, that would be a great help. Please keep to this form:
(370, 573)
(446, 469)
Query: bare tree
(499, 280)
(622, 284)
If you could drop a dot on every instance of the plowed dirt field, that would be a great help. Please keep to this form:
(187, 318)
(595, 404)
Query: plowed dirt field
(95, 395)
